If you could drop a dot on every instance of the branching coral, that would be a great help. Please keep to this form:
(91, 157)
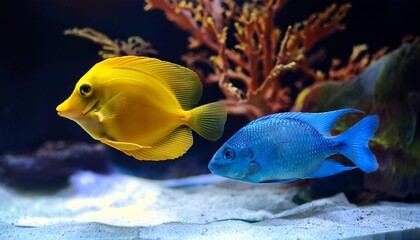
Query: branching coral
(260, 57)
(358, 61)
(113, 48)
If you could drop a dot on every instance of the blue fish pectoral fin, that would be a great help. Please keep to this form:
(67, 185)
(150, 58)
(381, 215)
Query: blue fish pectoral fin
(273, 152)
(329, 168)
(111, 108)
(123, 146)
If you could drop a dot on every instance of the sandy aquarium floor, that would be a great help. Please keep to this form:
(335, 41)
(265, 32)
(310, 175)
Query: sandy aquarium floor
(123, 207)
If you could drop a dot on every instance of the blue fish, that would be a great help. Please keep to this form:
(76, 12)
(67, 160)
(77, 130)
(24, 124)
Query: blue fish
(285, 147)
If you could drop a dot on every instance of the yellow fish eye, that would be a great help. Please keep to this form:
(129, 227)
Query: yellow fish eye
(85, 90)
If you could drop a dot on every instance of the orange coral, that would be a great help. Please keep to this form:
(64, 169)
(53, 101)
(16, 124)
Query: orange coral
(113, 48)
(250, 73)
(260, 56)
(358, 61)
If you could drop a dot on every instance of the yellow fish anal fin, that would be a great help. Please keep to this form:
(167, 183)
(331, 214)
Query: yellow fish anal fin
(173, 146)
(111, 108)
(123, 146)
(183, 82)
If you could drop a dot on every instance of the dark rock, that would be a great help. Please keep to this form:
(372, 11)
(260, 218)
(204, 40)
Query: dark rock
(390, 89)
(53, 163)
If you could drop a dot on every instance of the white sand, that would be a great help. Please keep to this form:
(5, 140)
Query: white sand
(100, 206)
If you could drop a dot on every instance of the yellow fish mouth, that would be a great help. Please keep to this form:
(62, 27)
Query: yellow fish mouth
(61, 109)
(69, 114)
(60, 113)
(70, 111)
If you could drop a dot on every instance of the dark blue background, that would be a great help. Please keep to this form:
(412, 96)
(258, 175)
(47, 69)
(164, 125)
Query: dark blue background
(39, 66)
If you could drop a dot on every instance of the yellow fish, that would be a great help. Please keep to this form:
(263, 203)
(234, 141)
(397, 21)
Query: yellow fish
(143, 107)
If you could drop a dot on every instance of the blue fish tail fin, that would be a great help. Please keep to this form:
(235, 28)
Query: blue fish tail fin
(356, 140)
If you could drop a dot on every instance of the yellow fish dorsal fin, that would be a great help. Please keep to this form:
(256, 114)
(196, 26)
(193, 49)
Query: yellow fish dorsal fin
(173, 146)
(183, 82)
(123, 146)
(110, 109)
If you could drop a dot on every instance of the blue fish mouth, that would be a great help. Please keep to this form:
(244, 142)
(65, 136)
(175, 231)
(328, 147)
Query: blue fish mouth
(213, 167)
(219, 169)
(225, 171)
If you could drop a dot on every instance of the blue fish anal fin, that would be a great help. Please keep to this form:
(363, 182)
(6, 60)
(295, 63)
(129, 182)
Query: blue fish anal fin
(323, 122)
(355, 143)
(279, 181)
(329, 168)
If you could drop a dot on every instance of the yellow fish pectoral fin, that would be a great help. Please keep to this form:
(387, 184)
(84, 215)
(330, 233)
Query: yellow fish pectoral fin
(111, 108)
(173, 146)
(123, 146)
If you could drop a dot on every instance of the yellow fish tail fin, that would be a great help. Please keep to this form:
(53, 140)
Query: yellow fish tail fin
(209, 120)
(173, 146)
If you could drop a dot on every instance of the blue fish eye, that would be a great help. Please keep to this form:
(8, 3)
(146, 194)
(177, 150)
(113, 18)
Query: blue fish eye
(228, 154)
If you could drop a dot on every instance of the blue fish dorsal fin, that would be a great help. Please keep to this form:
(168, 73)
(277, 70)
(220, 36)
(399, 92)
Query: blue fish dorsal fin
(323, 122)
